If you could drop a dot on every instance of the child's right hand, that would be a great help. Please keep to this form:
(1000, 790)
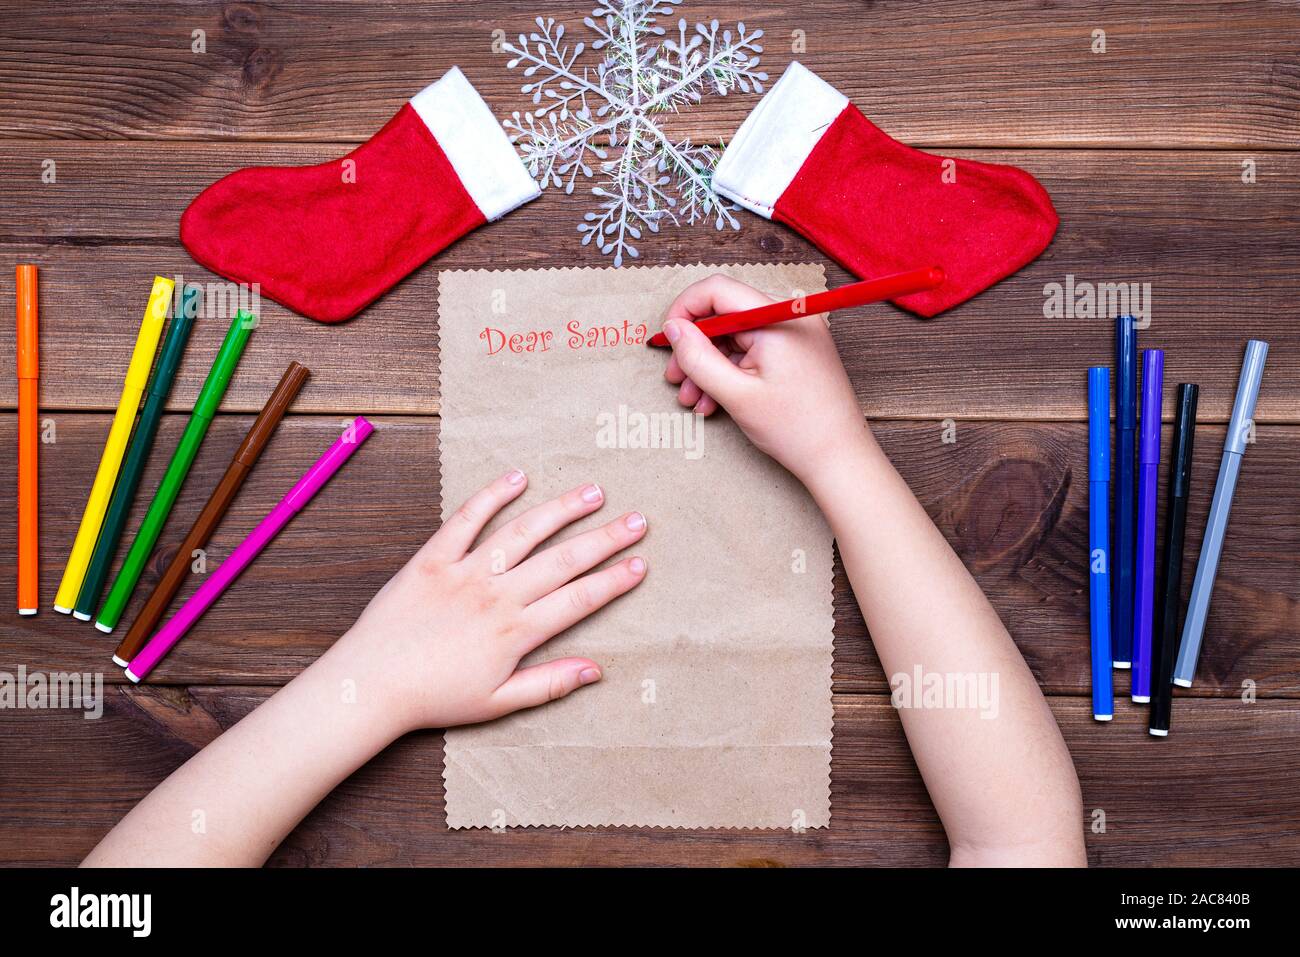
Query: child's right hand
(784, 384)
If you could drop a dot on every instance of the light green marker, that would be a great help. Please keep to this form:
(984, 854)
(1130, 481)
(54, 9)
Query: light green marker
(214, 388)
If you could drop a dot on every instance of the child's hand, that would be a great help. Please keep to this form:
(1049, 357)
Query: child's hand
(439, 645)
(783, 384)
(447, 632)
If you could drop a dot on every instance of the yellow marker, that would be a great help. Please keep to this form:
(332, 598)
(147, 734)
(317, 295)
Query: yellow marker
(137, 377)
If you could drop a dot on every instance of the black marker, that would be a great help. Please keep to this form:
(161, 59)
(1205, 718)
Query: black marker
(1166, 632)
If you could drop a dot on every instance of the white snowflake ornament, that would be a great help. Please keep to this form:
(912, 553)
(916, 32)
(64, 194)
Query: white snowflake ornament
(606, 119)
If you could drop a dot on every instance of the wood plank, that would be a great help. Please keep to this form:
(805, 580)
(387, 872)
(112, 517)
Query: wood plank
(296, 81)
(1011, 497)
(1221, 789)
(1183, 222)
(320, 571)
(92, 299)
(952, 73)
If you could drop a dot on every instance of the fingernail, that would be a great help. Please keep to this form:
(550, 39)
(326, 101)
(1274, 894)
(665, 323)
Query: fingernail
(671, 332)
(592, 493)
(514, 477)
(637, 565)
(587, 675)
(635, 522)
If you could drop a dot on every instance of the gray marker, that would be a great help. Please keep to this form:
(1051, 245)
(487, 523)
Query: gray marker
(1216, 525)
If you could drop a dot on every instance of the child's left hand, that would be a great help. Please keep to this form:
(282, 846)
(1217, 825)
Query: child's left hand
(446, 634)
(439, 645)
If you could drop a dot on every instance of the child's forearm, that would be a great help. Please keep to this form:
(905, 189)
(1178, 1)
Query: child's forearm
(997, 770)
(236, 800)
(439, 646)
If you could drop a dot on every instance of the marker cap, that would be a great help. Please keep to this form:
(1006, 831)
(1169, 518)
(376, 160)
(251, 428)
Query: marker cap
(174, 345)
(1126, 376)
(264, 426)
(232, 347)
(155, 314)
(1099, 424)
(1153, 381)
(324, 467)
(25, 282)
(1185, 428)
(1243, 408)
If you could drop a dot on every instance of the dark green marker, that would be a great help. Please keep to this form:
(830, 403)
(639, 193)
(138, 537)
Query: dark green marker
(205, 407)
(146, 430)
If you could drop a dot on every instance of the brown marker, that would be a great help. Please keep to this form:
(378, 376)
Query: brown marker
(246, 456)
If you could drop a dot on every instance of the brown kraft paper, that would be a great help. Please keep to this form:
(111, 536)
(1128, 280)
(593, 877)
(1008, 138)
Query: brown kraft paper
(715, 705)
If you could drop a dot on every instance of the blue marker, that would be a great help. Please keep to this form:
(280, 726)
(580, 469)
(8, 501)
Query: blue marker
(1103, 698)
(1126, 400)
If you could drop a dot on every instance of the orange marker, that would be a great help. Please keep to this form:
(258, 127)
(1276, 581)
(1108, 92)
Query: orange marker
(28, 565)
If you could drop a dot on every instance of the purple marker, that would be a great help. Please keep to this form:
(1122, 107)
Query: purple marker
(1144, 590)
(312, 482)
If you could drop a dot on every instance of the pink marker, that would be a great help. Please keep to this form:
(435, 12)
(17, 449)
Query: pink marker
(302, 493)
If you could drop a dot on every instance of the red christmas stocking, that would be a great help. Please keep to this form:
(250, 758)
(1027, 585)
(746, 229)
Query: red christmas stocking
(808, 157)
(328, 240)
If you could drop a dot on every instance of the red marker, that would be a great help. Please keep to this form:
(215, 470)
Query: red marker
(846, 297)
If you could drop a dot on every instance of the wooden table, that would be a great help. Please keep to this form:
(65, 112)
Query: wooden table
(1143, 149)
